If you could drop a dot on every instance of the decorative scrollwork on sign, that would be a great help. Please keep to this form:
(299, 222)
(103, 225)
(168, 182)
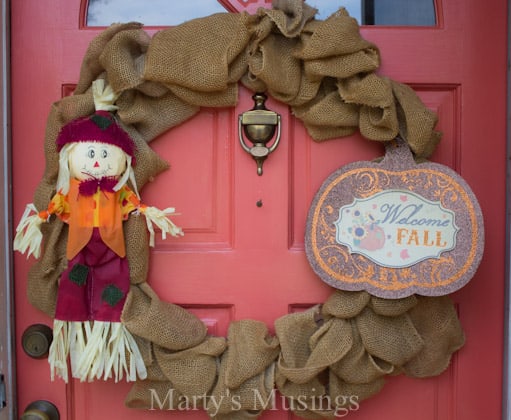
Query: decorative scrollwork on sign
(391, 216)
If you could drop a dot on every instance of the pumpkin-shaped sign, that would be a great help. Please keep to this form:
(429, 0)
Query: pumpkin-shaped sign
(395, 228)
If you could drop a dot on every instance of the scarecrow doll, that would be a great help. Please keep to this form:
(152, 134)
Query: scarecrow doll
(96, 159)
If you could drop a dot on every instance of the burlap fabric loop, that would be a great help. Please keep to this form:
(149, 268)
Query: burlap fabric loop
(246, 375)
(178, 377)
(360, 339)
(326, 72)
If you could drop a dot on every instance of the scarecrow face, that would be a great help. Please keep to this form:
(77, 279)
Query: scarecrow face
(92, 159)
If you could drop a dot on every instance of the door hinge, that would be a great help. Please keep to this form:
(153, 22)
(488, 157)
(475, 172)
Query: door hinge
(3, 393)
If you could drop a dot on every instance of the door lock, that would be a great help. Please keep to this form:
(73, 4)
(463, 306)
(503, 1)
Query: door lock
(40, 410)
(36, 340)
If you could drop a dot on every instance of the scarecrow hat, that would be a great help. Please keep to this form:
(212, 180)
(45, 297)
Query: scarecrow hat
(100, 126)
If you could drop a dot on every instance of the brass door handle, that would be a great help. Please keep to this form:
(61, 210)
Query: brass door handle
(40, 410)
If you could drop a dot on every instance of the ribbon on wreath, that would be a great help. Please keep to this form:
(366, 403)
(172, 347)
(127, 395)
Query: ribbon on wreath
(332, 87)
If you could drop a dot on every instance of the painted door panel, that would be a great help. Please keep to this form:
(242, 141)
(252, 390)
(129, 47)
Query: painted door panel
(240, 260)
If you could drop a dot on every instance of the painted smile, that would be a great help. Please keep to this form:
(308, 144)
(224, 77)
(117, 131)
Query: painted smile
(96, 174)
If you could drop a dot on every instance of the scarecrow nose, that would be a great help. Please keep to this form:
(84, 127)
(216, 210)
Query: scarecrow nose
(96, 165)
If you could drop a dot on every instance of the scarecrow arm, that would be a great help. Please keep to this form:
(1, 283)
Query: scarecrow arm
(154, 216)
(159, 218)
(28, 233)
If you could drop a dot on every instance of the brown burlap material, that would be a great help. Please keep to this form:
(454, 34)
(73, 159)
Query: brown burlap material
(361, 340)
(92, 67)
(153, 394)
(437, 323)
(246, 375)
(43, 277)
(251, 350)
(192, 371)
(165, 324)
(179, 380)
(202, 65)
(358, 366)
(391, 339)
(392, 307)
(289, 16)
(319, 346)
(345, 305)
(325, 71)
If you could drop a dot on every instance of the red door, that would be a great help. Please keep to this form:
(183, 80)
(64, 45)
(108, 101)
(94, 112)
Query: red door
(242, 255)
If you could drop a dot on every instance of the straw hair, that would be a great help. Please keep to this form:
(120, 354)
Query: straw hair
(64, 173)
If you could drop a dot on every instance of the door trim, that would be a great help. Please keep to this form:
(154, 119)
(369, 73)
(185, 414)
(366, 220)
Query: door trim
(7, 342)
(506, 385)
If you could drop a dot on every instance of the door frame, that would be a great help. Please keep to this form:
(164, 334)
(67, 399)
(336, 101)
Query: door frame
(506, 384)
(7, 344)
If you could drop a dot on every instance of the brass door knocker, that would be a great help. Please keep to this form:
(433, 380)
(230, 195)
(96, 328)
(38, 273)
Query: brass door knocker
(259, 125)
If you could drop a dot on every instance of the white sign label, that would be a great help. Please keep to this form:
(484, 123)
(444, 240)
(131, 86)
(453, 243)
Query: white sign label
(396, 229)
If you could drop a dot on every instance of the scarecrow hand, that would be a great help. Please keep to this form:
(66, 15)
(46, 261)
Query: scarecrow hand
(28, 233)
(159, 218)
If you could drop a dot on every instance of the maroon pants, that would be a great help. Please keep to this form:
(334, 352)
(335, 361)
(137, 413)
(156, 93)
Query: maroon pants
(95, 284)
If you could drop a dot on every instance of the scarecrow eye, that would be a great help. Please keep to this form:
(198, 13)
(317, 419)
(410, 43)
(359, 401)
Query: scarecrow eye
(104, 153)
(91, 153)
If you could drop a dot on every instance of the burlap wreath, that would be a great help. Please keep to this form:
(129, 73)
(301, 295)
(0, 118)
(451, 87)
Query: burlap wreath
(325, 71)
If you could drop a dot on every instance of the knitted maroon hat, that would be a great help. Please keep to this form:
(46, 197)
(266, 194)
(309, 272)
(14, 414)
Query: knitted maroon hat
(101, 127)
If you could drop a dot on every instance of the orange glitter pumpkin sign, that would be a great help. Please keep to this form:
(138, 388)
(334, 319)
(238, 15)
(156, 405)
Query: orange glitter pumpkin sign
(395, 228)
